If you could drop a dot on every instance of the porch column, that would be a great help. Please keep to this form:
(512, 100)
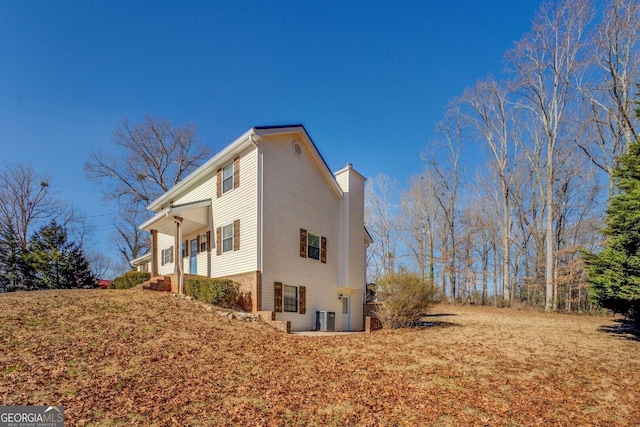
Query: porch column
(154, 253)
(178, 258)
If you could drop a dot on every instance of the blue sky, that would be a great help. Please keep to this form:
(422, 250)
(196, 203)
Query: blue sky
(368, 79)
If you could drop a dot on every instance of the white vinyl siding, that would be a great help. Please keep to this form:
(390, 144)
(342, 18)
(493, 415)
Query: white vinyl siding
(352, 270)
(297, 195)
(205, 190)
(241, 205)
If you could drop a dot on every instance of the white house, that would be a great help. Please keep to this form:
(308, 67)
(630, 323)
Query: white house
(268, 213)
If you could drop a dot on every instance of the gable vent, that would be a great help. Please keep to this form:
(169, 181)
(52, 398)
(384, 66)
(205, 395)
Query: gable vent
(297, 148)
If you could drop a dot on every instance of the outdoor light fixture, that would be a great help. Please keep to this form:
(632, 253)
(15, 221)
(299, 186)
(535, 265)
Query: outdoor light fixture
(340, 297)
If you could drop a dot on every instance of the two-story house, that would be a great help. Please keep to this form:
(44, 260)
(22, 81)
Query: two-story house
(268, 213)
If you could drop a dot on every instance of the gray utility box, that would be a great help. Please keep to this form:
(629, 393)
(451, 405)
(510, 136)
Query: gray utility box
(326, 320)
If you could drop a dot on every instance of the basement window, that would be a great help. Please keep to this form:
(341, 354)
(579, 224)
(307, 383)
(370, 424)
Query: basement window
(290, 294)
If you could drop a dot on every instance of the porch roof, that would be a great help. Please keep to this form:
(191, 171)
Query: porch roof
(194, 215)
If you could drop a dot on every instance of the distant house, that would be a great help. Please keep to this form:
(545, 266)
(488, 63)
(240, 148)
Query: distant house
(103, 283)
(268, 213)
(142, 263)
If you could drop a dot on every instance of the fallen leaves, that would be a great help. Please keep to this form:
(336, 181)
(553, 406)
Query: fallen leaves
(145, 358)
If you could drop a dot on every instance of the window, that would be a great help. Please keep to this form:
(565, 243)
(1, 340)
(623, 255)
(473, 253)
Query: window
(288, 298)
(227, 238)
(184, 249)
(313, 246)
(227, 178)
(167, 256)
(203, 242)
(290, 294)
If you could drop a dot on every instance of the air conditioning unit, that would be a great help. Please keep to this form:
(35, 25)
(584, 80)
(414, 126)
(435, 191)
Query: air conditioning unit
(326, 320)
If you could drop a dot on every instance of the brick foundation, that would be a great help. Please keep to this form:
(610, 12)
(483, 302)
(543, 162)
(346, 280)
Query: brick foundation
(372, 324)
(250, 289)
(269, 317)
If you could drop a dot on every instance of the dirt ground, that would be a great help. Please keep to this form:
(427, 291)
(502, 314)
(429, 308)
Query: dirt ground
(134, 357)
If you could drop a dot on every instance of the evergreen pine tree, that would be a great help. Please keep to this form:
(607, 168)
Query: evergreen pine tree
(57, 262)
(13, 267)
(614, 273)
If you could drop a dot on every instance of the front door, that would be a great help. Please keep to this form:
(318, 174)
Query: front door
(346, 314)
(193, 257)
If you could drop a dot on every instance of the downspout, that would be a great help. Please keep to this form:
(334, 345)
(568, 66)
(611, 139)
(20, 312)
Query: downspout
(260, 202)
(179, 259)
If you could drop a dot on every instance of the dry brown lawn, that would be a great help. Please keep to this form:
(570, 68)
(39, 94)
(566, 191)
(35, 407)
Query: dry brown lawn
(145, 358)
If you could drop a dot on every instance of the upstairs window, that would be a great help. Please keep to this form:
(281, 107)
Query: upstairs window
(313, 246)
(227, 178)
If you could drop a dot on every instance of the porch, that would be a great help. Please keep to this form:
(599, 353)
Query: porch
(178, 221)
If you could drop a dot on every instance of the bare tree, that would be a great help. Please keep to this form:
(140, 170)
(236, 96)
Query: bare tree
(152, 157)
(609, 84)
(419, 213)
(380, 220)
(447, 173)
(27, 201)
(545, 62)
(491, 118)
(102, 266)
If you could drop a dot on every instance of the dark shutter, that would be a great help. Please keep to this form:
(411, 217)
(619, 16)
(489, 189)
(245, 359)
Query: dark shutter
(236, 235)
(208, 240)
(236, 172)
(303, 300)
(277, 297)
(303, 243)
(198, 245)
(219, 241)
(323, 250)
(162, 257)
(186, 248)
(219, 183)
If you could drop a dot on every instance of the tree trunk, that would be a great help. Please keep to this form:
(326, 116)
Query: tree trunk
(549, 231)
(505, 242)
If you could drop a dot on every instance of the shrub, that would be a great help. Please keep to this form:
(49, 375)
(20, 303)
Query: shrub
(220, 292)
(131, 279)
(403, 299)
